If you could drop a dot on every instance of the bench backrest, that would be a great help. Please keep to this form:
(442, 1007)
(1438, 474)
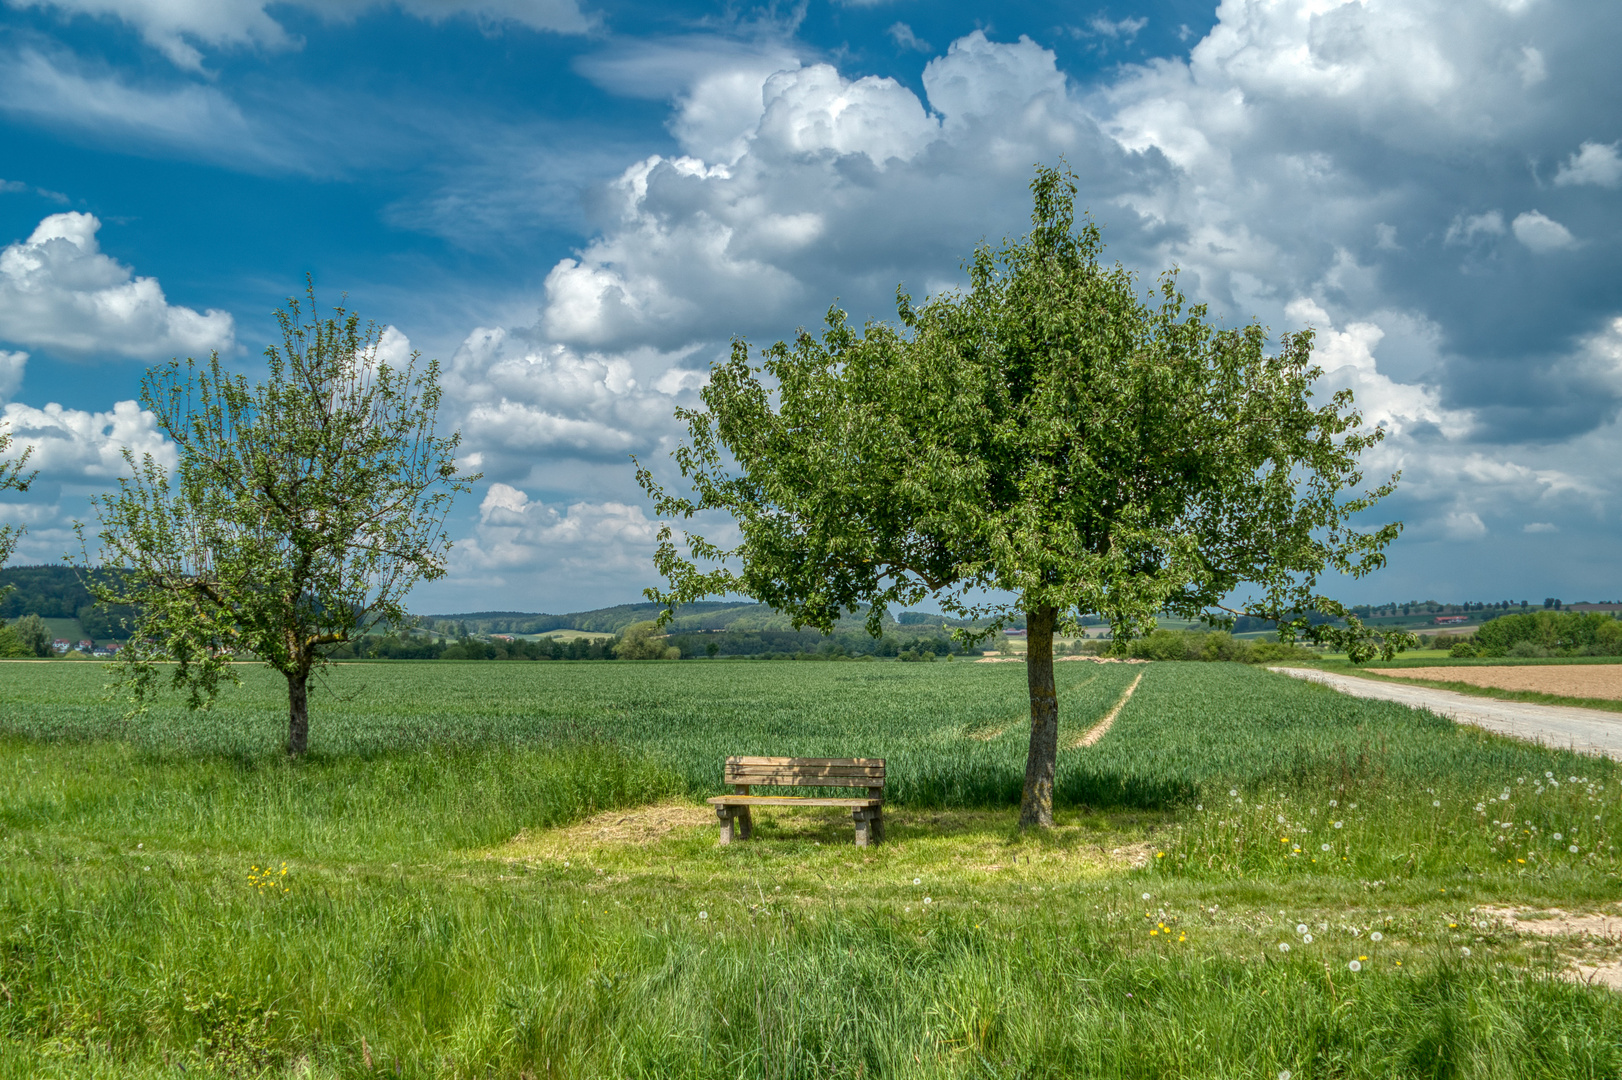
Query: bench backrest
(806, 772)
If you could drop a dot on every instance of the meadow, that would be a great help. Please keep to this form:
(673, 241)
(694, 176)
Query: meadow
(503, 870)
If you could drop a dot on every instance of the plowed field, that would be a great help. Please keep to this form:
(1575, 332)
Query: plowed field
(1566, 680)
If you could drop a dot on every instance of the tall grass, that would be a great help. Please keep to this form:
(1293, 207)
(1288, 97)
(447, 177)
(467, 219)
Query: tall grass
(139, 934)
(141, 973)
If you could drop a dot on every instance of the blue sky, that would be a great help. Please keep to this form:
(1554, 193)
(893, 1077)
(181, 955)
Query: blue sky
(576, 205)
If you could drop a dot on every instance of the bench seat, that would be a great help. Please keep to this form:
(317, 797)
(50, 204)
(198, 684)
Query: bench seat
(788, 800)
(744, 774)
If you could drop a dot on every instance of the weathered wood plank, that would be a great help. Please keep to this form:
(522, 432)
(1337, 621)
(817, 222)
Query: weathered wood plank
(788, 800)
(746, 760)
(836, 771)
(801, 781)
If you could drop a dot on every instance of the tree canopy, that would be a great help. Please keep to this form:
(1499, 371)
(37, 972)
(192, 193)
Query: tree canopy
(1049, 442)
(300, 513)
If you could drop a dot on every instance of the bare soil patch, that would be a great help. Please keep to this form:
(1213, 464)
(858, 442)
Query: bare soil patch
(1596, 936)
(644, 825)
(1564, 680)
(1100, 729)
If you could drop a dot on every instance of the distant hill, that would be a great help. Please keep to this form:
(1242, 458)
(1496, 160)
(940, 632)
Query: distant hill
(705, 616)
(58, 592)
(609, 620)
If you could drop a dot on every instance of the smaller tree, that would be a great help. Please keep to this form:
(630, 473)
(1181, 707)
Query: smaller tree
(645, 641)
(33, 634)
(12, 478)
(301, 511)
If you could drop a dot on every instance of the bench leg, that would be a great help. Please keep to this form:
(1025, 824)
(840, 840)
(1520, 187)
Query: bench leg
(746, 823)
(869, 826)
(725, 814)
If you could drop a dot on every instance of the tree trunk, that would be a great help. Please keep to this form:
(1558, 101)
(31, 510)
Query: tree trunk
(1036, 805)
(298, 713)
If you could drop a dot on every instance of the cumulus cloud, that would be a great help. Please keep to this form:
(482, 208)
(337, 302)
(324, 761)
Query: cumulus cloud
(526, 406)
(582, 554)
(1541, 233)
(75, 446)
(1594, 163)
(11, 373)
(1466, 228)
(1306, 158)
(1464, 525)
(1348, 362)
(177, 28)
(58, 291)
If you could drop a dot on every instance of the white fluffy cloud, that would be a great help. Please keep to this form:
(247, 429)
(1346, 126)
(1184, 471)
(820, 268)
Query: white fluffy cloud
(11, 373)
(1594, 163)
(58, 291)
(1542, 233)
(75, 446)
(1362, 167)
(178, 27)
(583, 554)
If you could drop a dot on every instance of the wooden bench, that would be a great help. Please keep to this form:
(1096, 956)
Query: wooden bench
(746, 773)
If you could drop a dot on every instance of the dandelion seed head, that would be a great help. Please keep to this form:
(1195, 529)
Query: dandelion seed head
(1377, 936)
(1465, 950)
(1323, 847)
(1356, 965)
(1284, 946)
(1557, 836)
(1146, 896)
(703, 915)
(1436, 802)
(1573, 849)
(1301, 928)
(1338, 824)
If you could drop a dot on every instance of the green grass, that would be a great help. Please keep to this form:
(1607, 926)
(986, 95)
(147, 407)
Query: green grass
(443, 913)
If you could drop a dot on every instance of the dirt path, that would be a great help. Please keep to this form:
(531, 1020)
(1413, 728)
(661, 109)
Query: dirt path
(1100, 729)
(1566, 680)
(1587, 731)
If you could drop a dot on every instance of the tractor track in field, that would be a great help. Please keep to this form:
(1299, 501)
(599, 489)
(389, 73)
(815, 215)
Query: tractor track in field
(1586, 731)
(1100, 729)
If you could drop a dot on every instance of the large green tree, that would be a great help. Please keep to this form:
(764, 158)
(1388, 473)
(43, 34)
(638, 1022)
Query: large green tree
(301, 511)
(1048, 443)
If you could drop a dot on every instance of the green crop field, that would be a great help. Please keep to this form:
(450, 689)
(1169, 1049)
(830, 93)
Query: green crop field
(505, 870)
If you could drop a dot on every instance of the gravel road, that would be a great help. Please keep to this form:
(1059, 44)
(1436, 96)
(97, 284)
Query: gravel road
(1588, 731)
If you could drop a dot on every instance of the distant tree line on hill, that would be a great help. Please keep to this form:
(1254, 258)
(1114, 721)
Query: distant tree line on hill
(61, 592)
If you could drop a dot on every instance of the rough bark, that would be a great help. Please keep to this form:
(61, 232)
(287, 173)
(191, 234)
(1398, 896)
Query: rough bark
(1036, 804)
(298, 713)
